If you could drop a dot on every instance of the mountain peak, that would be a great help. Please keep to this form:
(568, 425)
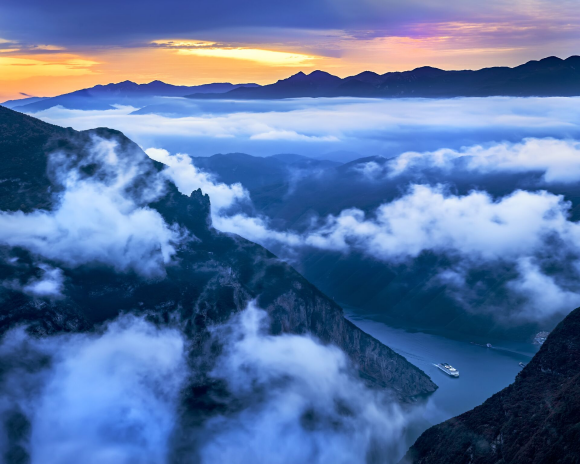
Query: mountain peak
(315, 76)
(551, 59)
(113, 85)
(298, 76)
(319, 73)
(427, 70)
(544, 63)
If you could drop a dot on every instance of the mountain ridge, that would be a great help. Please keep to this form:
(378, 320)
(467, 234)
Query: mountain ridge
(551, 76)
(213, 276)
(105, 96)
(406, 294)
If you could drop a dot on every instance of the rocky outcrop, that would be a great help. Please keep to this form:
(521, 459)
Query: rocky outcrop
(536, 420)
(293, 312)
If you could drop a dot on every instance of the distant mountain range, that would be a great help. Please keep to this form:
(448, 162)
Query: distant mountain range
(550, 76)
(255, 172)
(22, 101)
(104, 97)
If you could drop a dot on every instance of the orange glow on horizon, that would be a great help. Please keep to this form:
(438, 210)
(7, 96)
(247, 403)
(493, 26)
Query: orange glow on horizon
(458, 45)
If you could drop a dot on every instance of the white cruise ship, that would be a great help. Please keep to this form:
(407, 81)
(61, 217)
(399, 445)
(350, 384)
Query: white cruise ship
(448, 369)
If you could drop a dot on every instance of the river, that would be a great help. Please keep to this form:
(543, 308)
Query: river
(482, 371)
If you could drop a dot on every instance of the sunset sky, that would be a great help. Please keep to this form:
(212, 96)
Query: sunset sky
(52, 47)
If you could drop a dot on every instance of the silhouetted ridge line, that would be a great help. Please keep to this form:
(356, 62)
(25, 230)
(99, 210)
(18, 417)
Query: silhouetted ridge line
(551, 76)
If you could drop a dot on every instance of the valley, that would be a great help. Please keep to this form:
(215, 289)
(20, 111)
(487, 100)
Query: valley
(482, 371)
(374, 269)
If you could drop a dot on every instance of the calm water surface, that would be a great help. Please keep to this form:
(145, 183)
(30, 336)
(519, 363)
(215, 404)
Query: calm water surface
(482, 371)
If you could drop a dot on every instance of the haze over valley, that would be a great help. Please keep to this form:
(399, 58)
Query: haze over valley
(331, 233)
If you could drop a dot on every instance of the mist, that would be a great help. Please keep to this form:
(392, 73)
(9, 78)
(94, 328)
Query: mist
(530, 231)
(340, 129)
(188, 178)
(303, 402)
(110, 396)
(558, 161)
(114, 396)
(526, 225)
(101, 219)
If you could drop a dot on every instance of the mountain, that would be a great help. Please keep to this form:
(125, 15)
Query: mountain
(550, 76)
(213, 276)
(315, 84)
(254, 172)
(406, 293)
(304, 162)
(21, 101)
(535, 420)
(103, 97)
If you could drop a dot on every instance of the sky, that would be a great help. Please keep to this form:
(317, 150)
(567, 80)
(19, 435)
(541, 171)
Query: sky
(49, 48)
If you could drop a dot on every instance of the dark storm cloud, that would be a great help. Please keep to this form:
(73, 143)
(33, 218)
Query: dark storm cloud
(110, 22)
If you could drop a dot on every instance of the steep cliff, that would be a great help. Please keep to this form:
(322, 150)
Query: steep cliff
(535, 420)
(211, 276)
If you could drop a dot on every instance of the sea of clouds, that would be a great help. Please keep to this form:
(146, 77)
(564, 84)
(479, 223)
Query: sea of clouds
(528, 227)
(530, 230)
(116, 394)
(342, 129)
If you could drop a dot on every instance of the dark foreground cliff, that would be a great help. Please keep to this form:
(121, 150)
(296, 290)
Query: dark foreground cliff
(536, 420)
(212, 276)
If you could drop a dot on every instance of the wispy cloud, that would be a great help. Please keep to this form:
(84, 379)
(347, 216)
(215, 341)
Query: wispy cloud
(18, 68)
(526, 230)
(112, 395)
(220, 50)
(303, 402)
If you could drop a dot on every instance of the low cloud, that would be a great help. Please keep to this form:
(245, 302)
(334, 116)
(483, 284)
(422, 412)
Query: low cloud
(303, 402)
(115, 396)
(320, 127)
(188, 178)
(427, 218)
(430, 219)
(292, 135)
(49, 285)
(557, 160)
(474, 229)
(543, 295)
(108, 397)
(101, 219)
